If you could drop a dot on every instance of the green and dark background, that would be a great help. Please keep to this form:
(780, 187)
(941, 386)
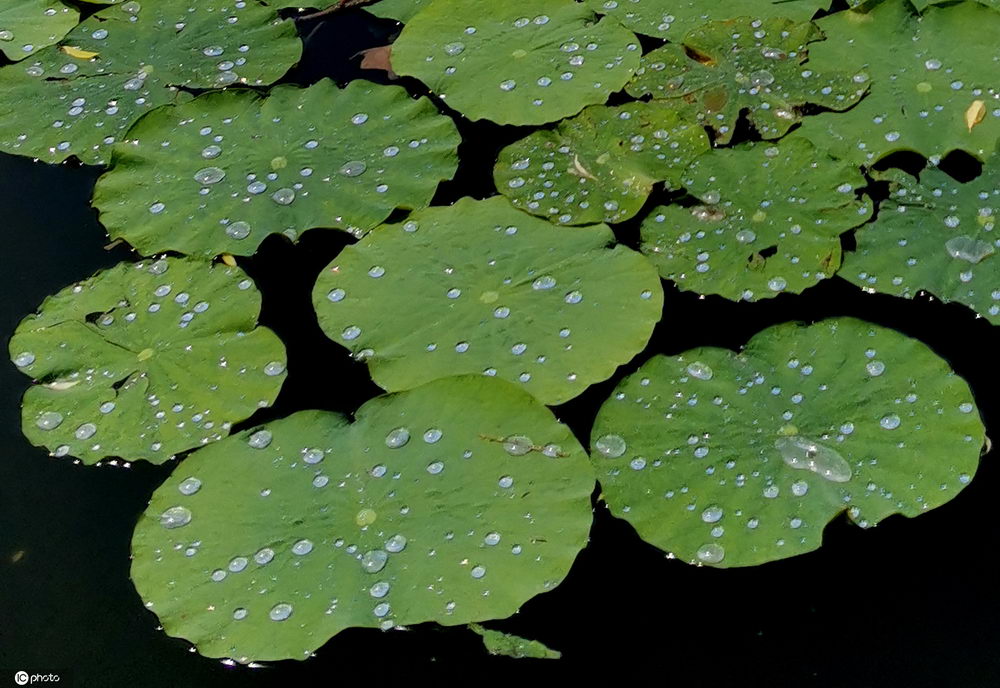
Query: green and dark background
(913, 602)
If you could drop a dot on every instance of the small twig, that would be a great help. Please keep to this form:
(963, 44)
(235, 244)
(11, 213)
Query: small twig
(336, 7)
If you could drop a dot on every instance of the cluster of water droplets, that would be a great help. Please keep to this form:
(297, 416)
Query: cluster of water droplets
(571, 178)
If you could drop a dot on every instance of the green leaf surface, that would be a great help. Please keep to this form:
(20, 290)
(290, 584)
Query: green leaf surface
(27, 26)
(400, 10)
(455, 502)
(482, 288)
(507, 645)
(743, 67)
(937, 235)
(221, 173)
(770, 221)
(926, 72)
(129, 59)
(601, 165)
(672, 18)
(146, 360)
(730, 459)
(527, 62)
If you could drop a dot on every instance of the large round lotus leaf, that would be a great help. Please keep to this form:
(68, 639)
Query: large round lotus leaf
(935, 235)
(218, 174)
(400, 10)
(934, 80)
(81, 96)
(671, 18)
(27, 26)
(743, 66)
(455, 502)
(526, 62)
(480, 287)
(737, 459)
(771, 221)
(601, 165)
(145, 360)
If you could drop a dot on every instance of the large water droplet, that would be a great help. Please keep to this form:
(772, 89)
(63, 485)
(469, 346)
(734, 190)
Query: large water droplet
(969, 249)
(209, 175)
(805, 454)
(517, 445)
(397, 543)
(374, 561)
(353, 168)
(175, 517)
(260, 439)
(711, 553)
(280, 611)
(700, 370)
(189, 486)
(49, 420)
(397, 438)
(611, 446)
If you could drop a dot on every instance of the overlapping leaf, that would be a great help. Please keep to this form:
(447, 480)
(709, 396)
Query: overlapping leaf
(601, 165)
(27, 26)
(143, 361)
(400, 10)
(497, 292)
(672, 18)
(927, 72)
(770, 221)
(937, 235)
(81, 96)
(738, 459)
(527, 62)
(455, 502)
(222, 172)
(745, 66)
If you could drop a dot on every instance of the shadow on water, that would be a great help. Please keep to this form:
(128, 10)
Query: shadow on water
(910, 603)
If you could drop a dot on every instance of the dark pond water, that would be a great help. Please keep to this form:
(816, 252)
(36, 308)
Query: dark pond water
(909, 603)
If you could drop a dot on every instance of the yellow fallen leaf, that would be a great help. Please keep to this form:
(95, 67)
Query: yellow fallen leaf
(579, 170)
(974, 115)
(79, 54)
(379, 58)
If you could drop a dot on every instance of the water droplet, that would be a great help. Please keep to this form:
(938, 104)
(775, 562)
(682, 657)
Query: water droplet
(209, 175)
(890, 421)
(274, 368)
(712, 514)
(283, 196)
(379, 590)
(374, 561)
(24, 359)
(432, 435)
(237, 564)
(711, 553)
(260, 439)
(517, 445)
(968, 249)
(544, 282)
(478, 571)
(491, 538)
(799, 488)
(397, 438)
(700, 370)
(573, 297)
(302, 547)
(280, 611)
(365, 517)
(875, 368)
(435, 467)
(611, 446)
(49, 420)
(454, 49)
(189, 486)
(397, 543)
(175, 517)
(264, 556)
(353, 168)
(802, 453)
(505, 482)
